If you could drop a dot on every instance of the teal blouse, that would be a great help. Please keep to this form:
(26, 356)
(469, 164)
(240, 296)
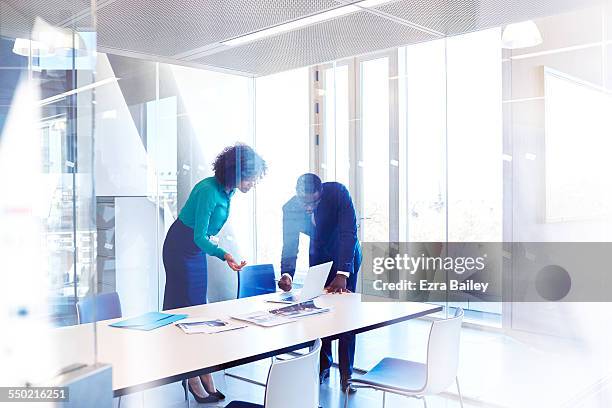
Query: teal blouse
(206, 211)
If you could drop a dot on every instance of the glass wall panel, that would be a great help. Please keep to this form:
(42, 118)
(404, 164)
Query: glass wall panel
(374, 161)
(161, 127)
(422, 112)
(337, 162)
(554, 102)
(474, 127)
(128, 237)
(47, 218)
(501, 145)
(215, 110)
(474, 153)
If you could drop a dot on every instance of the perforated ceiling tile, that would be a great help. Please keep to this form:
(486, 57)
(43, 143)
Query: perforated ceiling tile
(182, 30)
(353, 34)
(452, 17)
(14, 24)
(54, 12)
(170, 28)
(17, 17)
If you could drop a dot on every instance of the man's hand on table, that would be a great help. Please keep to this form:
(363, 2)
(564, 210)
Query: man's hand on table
(338, 285)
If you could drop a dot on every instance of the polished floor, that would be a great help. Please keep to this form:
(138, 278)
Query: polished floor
(496, 370)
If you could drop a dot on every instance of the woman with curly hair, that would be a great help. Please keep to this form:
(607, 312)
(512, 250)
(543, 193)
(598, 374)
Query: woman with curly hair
(192, 236)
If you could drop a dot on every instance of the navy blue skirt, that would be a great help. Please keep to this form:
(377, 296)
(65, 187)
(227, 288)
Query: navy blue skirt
(186, 269)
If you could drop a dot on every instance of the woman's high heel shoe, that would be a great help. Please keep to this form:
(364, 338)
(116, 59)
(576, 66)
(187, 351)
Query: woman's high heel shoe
(202, 400)
(217, 394)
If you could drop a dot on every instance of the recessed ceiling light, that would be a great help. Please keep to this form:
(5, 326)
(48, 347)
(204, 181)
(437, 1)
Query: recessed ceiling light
(521, 35)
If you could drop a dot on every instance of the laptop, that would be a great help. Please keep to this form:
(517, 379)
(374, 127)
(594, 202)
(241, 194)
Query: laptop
(313, 286)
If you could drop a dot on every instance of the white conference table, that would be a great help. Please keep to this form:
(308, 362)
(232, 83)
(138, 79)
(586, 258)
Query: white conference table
(146, 359)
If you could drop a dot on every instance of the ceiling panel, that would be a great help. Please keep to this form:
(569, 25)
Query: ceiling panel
(169, 28)
(184, 31)
(451, 17)
(353, 34)
(53, 11)
(13, 24)
(17, 17)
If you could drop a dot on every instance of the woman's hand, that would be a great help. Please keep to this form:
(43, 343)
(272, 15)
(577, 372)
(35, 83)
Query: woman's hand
(233, 264)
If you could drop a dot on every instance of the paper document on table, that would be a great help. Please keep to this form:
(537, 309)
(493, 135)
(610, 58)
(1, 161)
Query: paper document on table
(282, 315)
(263, 318)
(297, 310)
(196, 325)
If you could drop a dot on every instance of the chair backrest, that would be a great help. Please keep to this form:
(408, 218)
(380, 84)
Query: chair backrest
(443, 353)
(295, 382)
(99, 307)
(256, 280)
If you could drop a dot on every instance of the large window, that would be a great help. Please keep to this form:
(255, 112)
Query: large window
(374, 147)
(427, 142)
(474, 151)
(422, 104)
(474, 134)
(336, 161)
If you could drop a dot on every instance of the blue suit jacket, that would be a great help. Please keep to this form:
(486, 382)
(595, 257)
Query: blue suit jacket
(333, 238)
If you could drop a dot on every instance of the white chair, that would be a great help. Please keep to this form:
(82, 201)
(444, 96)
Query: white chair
(416, 380)
(291, 383)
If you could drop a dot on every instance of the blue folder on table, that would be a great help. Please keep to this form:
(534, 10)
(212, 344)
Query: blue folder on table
(149, 321)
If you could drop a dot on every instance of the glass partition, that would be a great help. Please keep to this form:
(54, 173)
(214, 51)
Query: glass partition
(374, 161)
(160, 128)
(47, 210)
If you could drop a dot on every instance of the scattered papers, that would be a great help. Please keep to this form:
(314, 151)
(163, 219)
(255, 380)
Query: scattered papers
(197, 325)
(282, 315)
(263, 318)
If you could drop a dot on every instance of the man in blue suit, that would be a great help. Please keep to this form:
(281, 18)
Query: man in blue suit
(324, 212)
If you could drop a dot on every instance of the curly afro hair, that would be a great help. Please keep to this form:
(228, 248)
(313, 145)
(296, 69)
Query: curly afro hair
(236, 163)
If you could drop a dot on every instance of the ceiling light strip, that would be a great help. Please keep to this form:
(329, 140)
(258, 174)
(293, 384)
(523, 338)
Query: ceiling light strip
(292, 25)
(347, 8)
